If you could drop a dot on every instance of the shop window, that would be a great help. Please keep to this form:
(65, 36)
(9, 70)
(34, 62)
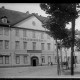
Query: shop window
(6, 59)
(17, 59)
(43, 59)
(25, 60)
(1, 59)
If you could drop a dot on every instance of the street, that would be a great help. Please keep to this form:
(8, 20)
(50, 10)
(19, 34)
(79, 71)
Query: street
(36, 72)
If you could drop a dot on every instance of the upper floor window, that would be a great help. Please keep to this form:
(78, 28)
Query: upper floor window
(6, 31)
(42, 35)
(24, 33)
(17, 44)
(42, 46)
(48, 37)
(34, 34)
(6, 44)
(16, 32)
(34, 45)
(4, 19)
(25, 45)
(1, 44)
(1, 30)
(48, 46)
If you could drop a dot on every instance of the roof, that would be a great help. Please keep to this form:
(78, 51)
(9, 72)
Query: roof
(15, 16)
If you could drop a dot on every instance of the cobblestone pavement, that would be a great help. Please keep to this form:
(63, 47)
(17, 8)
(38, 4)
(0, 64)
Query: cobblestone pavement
(37, 72)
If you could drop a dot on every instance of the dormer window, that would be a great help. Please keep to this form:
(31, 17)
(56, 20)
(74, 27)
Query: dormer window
(4, 19)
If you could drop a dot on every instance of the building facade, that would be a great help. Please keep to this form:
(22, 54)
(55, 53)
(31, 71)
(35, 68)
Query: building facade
(23, 40)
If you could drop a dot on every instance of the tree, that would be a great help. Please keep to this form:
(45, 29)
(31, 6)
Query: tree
(60, 14)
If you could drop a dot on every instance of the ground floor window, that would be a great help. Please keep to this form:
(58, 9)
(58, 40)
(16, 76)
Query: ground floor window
(55, 59)
(1, 59)
(17, 59)
(25, 60)
(6, 59)
(49, 59)
(43, 59)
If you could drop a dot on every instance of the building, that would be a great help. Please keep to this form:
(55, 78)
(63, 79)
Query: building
(23, 40)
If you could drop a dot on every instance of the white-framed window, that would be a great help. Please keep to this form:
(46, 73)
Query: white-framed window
(1, 44)
(16, 32)
(1, 30)
(17, 59)
(55, 59)
(49, 59)
(1, 59)
(34, 45)
(42, 35)
(25, 59)
(42, 46)
(25, 45)
(6, 44)
(17, 44)
(6, 59)
(48, 36)
(24, 33)
(33, 34)
(48, 44)
(6, 31)
(43, 59)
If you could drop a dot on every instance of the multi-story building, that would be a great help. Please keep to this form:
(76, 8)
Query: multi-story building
(23, 40)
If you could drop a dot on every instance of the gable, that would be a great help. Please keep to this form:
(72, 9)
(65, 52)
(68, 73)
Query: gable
(31, 23)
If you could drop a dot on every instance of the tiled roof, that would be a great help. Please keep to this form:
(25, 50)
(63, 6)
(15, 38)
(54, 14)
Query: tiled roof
(16, 16)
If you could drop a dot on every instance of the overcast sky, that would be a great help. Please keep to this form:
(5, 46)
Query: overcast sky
(32, 8)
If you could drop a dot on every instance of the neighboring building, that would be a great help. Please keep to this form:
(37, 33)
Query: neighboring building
(23, 40)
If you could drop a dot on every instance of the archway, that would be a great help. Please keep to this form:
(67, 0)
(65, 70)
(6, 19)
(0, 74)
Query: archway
(34, 61)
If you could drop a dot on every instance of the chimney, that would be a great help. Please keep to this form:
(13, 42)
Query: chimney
(27, 12)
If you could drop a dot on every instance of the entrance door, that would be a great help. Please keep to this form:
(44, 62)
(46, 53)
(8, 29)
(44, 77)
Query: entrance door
(34, 61)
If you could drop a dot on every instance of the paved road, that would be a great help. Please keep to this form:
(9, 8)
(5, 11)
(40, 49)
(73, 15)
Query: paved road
(36, 72)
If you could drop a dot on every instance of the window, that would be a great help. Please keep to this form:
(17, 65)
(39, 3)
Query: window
(49, 58)
(24, 33)
(6, 44)
(34, 34)
(25, 60)
(56, 59)
(33, 23)
(16, 32)
(1, 59)
(6, 31)
(25, 45)
(48, 37)
(1, 44)
(34, 45)
(43, 59)
(42, 35)
(48, 46)
(42, 46)
(17, 59)
(1, 30)
(6, 59)
(17, 45)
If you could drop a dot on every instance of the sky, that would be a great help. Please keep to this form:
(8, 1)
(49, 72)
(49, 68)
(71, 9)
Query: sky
(33, 8)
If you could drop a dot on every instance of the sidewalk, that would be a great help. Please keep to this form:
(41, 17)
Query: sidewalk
(67, 73)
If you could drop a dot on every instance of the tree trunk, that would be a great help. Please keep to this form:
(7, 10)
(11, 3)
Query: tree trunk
(58, 65)
(72, 45)
(61, 56)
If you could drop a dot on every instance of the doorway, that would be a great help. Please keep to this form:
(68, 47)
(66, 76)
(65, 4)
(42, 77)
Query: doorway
(34, 61)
